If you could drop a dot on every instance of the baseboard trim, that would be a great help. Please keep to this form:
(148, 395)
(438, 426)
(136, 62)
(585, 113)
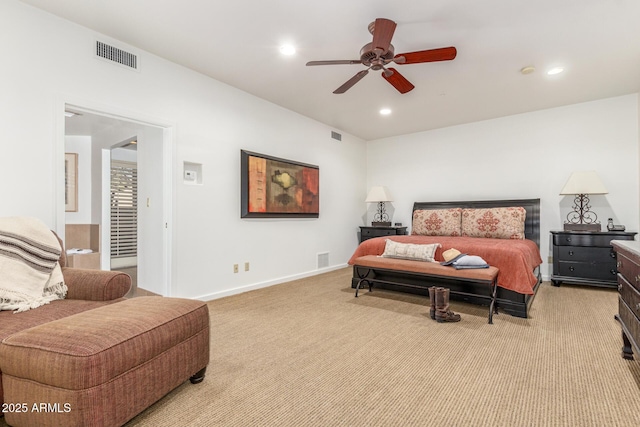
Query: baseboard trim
(266, 284)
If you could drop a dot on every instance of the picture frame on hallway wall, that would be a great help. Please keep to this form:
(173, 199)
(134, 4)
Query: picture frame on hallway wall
(278, 188)
(71, 182)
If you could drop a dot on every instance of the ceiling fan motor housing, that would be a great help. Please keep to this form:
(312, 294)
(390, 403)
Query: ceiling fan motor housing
(370, 59)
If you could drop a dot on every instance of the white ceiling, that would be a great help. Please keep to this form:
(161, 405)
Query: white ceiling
(236, 42)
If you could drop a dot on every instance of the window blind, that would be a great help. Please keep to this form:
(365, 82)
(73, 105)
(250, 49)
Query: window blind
(124, 209)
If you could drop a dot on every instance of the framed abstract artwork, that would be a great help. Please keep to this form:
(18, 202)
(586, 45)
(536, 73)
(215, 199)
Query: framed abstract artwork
(71, 182)
(278, 188)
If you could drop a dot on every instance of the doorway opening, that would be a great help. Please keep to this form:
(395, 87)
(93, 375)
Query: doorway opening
(133, 223)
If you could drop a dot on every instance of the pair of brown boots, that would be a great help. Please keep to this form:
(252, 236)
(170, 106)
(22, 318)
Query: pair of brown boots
(440, 306)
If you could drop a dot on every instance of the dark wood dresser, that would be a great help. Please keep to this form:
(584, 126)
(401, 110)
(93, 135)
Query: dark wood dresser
(371, 232)
(586, 257)
(629, 295)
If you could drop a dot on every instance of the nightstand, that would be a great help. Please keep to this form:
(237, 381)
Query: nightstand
(586, 257)
(371, 232)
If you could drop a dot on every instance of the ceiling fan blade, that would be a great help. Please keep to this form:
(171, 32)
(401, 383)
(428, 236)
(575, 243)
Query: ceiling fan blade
(349, 83)
(397, 80)
(335, 62)
(432, 55)
(382, 34)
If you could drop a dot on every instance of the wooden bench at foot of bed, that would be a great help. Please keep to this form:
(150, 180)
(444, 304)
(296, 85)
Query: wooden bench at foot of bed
(372, 269)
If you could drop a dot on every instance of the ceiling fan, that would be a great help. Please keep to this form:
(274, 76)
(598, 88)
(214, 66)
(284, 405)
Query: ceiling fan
(380, 52)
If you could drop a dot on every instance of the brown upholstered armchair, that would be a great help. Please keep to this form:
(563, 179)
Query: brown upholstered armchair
(87, 289)
(103, 357)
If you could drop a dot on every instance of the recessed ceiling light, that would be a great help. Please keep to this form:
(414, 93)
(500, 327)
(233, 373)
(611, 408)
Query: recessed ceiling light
(287, 49)
(555, 70)
(385, 111)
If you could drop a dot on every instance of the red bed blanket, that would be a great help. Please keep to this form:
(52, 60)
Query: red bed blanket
(516, 259)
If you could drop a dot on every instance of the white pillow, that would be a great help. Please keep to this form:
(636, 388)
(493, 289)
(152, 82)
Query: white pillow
(410, 251)
(470, 261)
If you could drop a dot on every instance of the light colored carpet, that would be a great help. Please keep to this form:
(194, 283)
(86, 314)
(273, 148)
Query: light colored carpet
(307, 353)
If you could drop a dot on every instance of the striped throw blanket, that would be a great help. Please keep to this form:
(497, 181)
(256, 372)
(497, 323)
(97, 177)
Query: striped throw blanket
(30, 274)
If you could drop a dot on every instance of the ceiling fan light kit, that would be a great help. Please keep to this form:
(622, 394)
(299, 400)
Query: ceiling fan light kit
(380, 53)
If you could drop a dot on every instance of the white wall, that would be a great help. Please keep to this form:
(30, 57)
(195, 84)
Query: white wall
(52, 63)
(523, 156)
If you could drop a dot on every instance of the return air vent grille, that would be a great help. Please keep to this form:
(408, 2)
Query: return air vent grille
(323, 260)
(336, 136)
(114, 54)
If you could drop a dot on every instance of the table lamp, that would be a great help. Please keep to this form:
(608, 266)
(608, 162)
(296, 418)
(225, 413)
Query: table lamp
(581, 185)
(380, 195)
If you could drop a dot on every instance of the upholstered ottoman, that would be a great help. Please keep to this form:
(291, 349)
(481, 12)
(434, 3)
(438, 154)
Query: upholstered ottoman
(103, 366)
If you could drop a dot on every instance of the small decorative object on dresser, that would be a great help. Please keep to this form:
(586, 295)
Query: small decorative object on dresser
(629, 295)
(377, 231)
(586, 257)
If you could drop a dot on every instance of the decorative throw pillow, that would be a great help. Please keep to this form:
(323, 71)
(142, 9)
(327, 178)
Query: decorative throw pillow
(469, 262)
(436, 222)
(410, 251)
(495, 223)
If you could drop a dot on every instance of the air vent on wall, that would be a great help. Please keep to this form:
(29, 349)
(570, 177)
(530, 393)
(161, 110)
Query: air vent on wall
(114, 54)
(336, 136)
(323, 260)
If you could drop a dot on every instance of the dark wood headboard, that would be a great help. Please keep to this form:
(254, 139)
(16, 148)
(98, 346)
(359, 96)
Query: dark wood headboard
(532, 206)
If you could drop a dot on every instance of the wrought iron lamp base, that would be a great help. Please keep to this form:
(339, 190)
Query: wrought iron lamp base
(381, 219)
(582, 218)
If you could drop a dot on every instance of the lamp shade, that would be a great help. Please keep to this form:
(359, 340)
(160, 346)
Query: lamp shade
(585, 182)
(379, 194)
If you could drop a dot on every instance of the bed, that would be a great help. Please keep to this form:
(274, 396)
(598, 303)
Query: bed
(516, 255)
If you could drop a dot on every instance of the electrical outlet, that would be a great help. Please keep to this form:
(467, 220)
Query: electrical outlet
(246, 266)
(235, 268)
